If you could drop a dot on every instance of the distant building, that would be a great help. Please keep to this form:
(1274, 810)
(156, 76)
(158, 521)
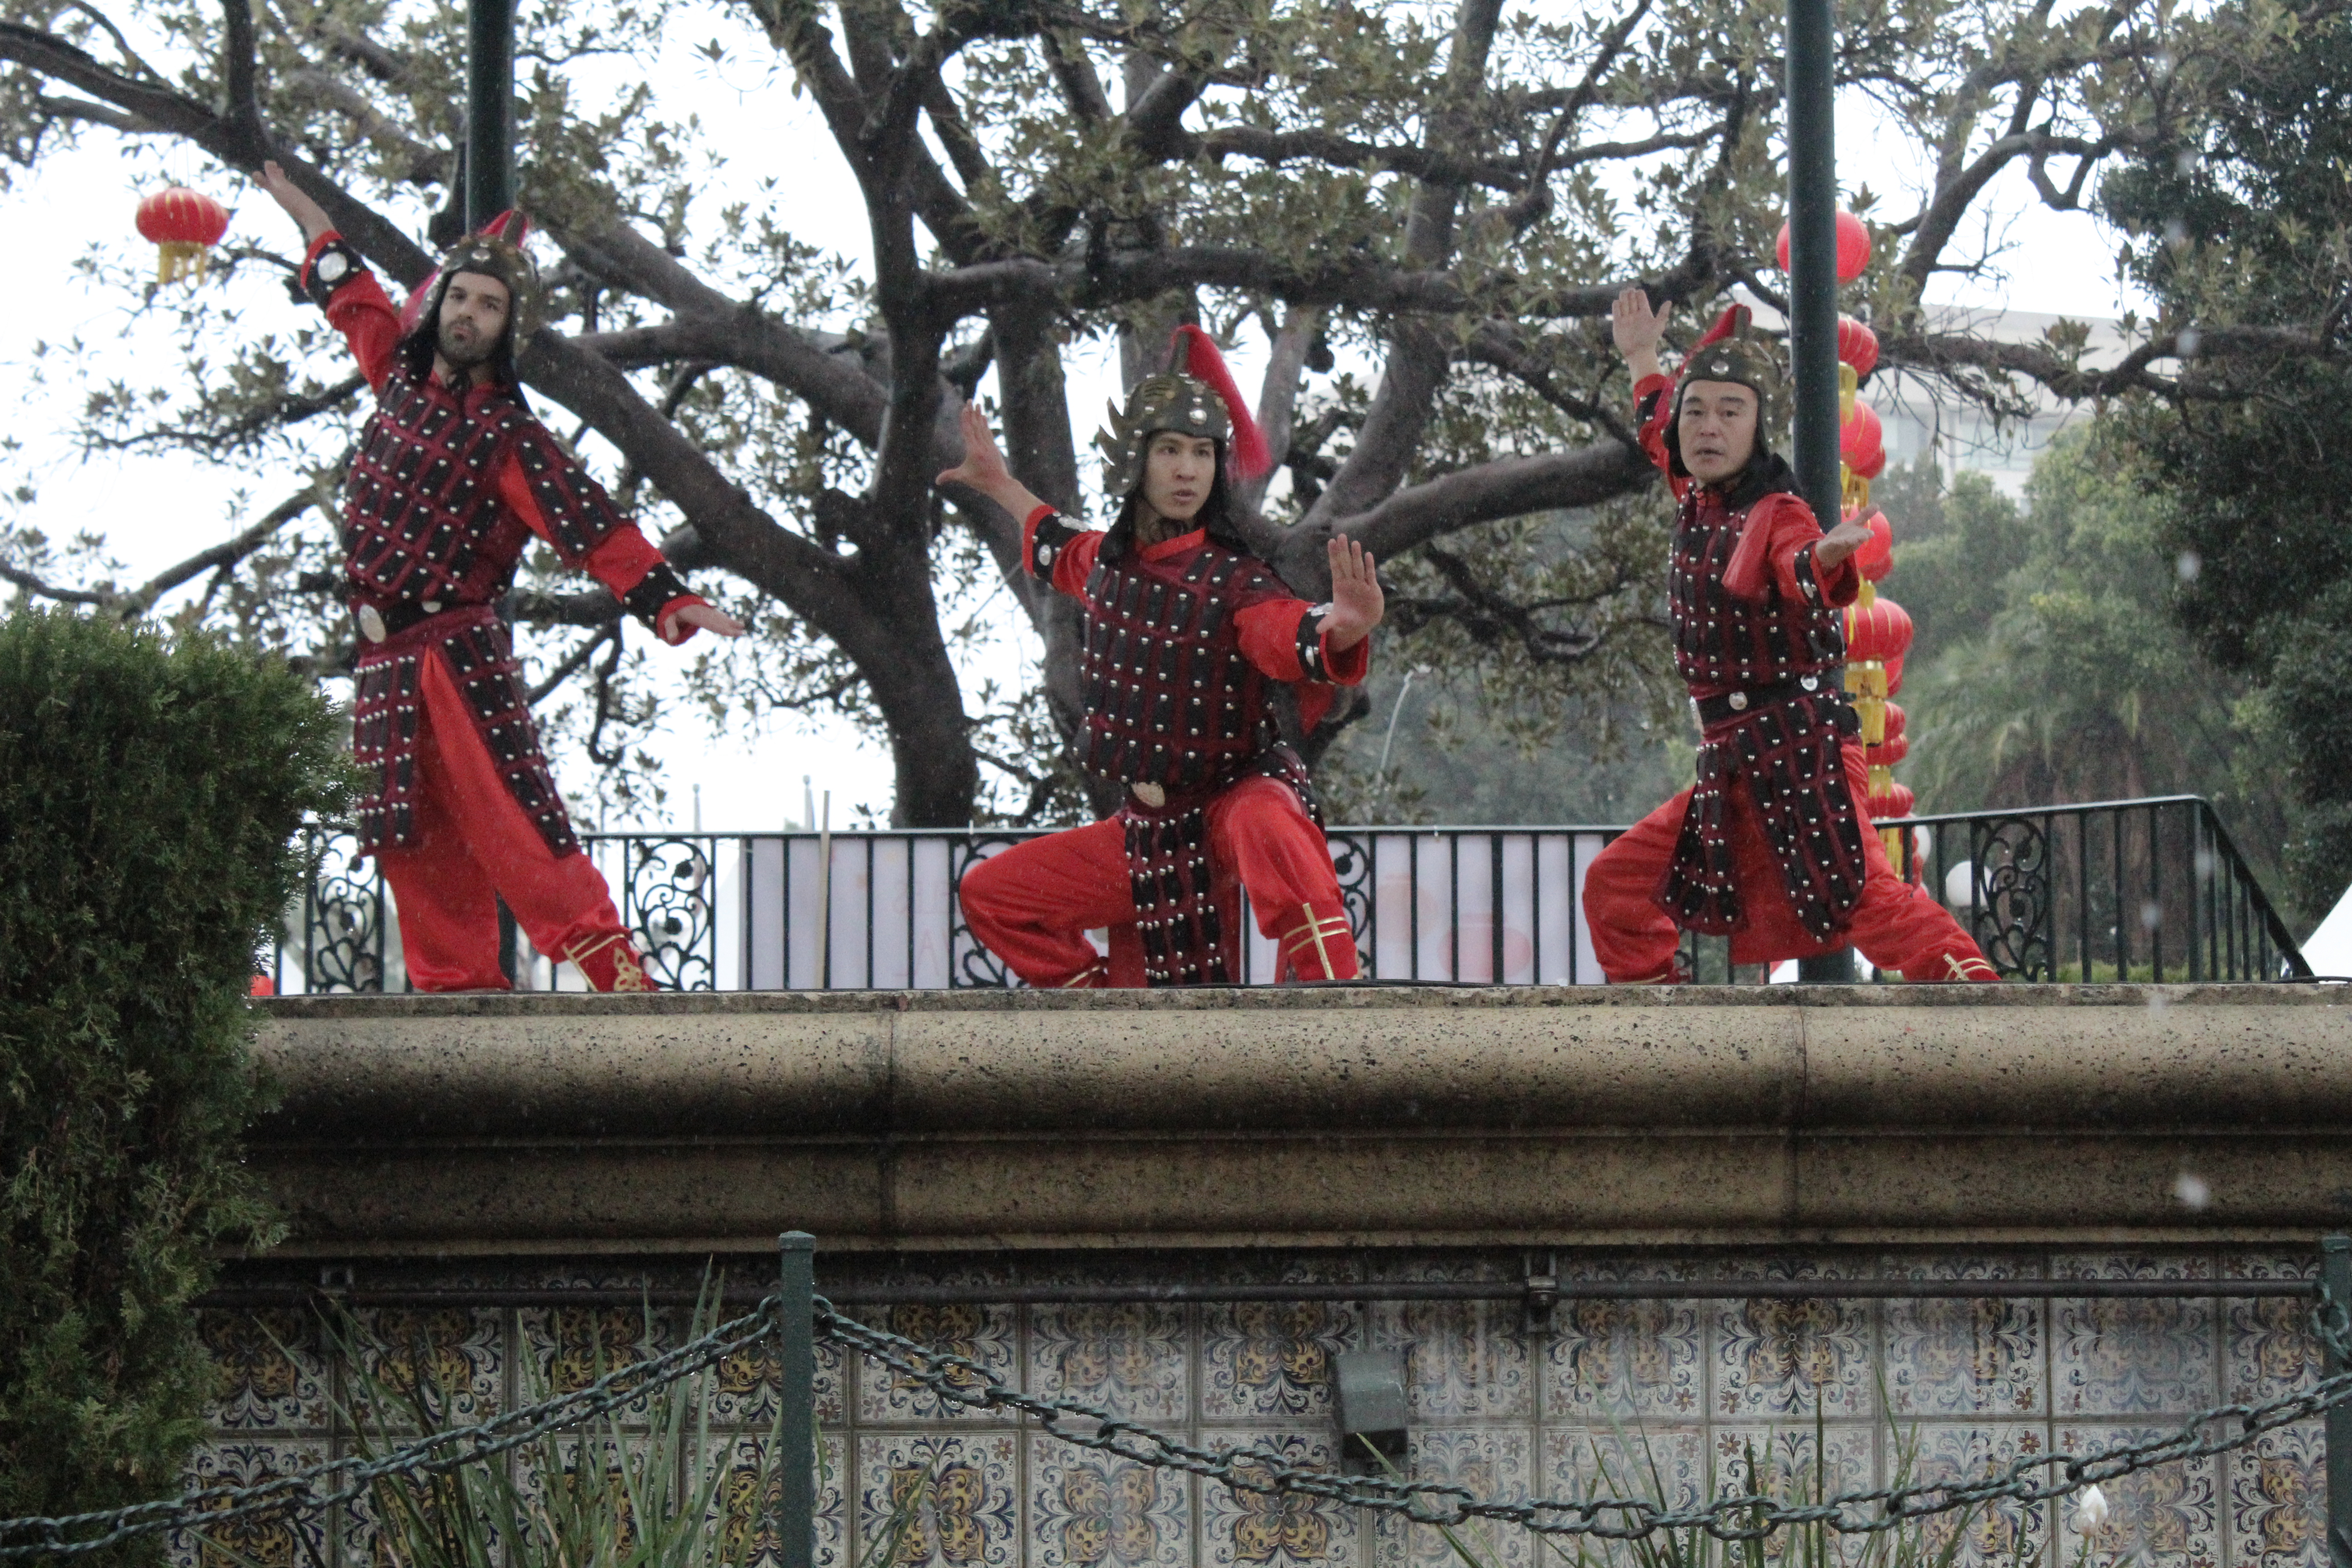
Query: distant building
(1923, 416)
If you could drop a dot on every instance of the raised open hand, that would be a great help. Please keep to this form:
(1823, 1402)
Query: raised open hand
(298, 206)
(983, 468)
(1840, 543)
(1357, 602)
(1634, 326)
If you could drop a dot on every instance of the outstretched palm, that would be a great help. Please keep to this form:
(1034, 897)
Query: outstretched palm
(1357, 602)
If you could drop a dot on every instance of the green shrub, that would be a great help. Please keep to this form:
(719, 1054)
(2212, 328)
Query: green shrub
(148, 789)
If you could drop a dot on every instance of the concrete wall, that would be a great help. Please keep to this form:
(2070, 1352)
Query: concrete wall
(475, 1170)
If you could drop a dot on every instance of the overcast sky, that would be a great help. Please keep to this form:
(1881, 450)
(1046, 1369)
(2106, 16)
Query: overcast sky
(155, 511)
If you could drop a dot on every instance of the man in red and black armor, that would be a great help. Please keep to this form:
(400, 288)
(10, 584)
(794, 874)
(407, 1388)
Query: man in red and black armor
(1772, 846)
(451, 480)
(1188, 638)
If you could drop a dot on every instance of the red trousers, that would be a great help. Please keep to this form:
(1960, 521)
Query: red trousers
(1896, 926)
(473, 846)
(1033, 904)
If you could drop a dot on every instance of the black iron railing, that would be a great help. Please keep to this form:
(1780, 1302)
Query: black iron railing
(2144, 889)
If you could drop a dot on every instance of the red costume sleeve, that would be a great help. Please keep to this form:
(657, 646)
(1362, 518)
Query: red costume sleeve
(620, 563)
(1270, 631)
(1653, 406)
(1779, 538)
(362, 312)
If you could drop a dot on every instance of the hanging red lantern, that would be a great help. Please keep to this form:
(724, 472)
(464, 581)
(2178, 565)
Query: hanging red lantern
(1881, 632)
(184, 225)
(1887, 753)
(1852, 247)
(1896, 800)
(1861, 441)
(1893, 721)
(1877, 559)
(1857, 345)
(1895, 670)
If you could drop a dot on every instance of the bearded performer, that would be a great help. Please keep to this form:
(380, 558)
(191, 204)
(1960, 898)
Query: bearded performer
(451, 480)
(1188, 638)
(1773, 846)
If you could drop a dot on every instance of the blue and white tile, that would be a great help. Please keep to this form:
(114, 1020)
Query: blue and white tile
(1485, 1461)
(1933, 1453)
(567, 1348)
(953, 1497)
(1464, 1360)
(1093, 1510)
(749, 1385)
(1626, 1360)
(1667, 1467)
(2268, 1349)
(1275, 1530)
(1130, 1358)
(451, 1358)
(741, 1519)
(272, 1371)
(2278, 1498)
(984, 1334)
(1964, 1355)
(259, 1541)
(2169, 1516)
(1270, 1361)
(2123, 1357)
(1784, 1459)
(1794, 1357)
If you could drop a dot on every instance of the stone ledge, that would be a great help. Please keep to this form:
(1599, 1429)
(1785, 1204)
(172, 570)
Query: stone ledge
(1353, 1116)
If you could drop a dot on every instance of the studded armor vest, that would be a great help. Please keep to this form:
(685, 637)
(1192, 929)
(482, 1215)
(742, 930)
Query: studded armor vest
(1724, 640)
(421, 522)
(1170, 701)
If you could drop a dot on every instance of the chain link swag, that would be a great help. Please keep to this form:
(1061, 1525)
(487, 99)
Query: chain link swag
(958, 1380)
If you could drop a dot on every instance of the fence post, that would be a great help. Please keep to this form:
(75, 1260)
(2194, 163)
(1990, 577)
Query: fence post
(2336, 1274)
(796, 1465)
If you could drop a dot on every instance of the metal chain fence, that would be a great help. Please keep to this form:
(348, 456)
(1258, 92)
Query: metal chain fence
(794, 1317)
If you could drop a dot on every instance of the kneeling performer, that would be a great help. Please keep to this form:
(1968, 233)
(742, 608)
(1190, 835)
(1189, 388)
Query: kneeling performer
(1187, 634)
(1773, 846)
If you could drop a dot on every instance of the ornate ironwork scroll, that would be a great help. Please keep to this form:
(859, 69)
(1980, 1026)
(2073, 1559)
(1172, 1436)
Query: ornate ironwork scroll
(971, 966)
(342, 916)
(2011, 856)
(1352, 858)
(671, 898)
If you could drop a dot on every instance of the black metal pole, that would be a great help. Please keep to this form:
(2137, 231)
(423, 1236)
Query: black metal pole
(1813, 299)
(489, 110)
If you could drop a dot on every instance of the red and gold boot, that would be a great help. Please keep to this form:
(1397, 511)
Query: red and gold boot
(609, 963)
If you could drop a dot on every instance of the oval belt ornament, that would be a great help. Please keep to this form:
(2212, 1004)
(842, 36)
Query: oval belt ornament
(371, 622)
(1151, 794)
(1739, 701)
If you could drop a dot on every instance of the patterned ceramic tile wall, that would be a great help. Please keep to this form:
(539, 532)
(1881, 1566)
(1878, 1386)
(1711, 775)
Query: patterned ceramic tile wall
(1679, 1395)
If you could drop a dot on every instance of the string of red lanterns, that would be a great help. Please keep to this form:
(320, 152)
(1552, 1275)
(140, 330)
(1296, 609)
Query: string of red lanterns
(1877, 630)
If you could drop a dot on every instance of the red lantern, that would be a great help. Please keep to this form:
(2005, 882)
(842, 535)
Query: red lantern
(184, 226)
(1897, 801)
(1887, 753)
(1877, 559)
(1881, 632)
(1862, 443)
(1857, 345)
(1894, 674)
(1852, 247)
(1893, 721)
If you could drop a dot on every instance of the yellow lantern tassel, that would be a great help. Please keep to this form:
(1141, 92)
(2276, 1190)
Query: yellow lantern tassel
(1872, 711)
(1898, 850)
(1868, 596)
(1849, 385)
(1855, 497)
(178, 259)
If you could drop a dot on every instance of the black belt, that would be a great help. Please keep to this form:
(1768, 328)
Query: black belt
(1714, 710)
(403, 614)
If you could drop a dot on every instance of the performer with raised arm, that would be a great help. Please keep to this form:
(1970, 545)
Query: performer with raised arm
(1188, 636)
(451, 479)
(1772, 846)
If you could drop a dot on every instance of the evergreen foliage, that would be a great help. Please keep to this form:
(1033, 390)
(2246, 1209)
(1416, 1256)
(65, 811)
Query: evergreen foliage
(148, 789)
(2247, 222)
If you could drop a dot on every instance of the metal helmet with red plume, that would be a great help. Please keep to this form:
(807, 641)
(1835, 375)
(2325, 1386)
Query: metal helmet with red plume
(494, 251)
(1196, 397)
